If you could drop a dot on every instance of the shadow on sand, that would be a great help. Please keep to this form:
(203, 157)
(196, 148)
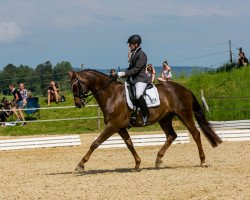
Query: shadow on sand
(118, 170)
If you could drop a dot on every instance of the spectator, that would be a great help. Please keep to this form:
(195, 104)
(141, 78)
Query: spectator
(112, 73)
(166, 74)
(241, 52)
(150, 71)
(30, 95)
(18, 103)
(242, 60)
(5, 110)
(24, 93)
(53, 92)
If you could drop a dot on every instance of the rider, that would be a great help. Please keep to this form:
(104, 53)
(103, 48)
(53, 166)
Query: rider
(137, 75)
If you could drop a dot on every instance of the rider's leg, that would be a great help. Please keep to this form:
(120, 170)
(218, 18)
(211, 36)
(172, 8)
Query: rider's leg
(140, 88)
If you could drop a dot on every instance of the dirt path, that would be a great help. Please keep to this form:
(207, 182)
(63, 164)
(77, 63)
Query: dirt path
(47, 173)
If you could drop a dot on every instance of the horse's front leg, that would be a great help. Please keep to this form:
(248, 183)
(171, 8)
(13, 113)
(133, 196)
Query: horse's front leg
(106, 133)
(125, 136)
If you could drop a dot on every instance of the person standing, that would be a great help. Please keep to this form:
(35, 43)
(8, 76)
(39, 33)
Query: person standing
(112, 74)
(136, 74)
(150, 71)
(19, 102)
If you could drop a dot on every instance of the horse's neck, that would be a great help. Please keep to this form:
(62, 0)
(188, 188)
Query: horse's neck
(98, 83)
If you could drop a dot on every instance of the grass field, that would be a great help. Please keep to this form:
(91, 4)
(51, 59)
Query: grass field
(63, 127)
(226, 93)
(215, 85)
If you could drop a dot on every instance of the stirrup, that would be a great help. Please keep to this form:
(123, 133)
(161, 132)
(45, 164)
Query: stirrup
(145, 121)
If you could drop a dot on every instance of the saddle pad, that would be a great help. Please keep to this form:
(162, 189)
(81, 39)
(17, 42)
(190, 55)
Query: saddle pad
(151, 97)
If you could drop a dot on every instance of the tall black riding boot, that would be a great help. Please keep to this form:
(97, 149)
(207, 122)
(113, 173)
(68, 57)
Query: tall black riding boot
(144, 109)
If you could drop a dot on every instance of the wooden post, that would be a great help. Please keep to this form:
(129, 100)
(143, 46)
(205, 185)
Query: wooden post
(230, 52)
(98, 118)
(204, 103)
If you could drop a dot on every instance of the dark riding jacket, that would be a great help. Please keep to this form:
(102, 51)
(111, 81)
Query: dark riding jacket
(137, 67)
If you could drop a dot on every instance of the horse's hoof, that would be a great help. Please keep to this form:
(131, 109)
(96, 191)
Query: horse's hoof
(136, 169)
(160, 164)
(204, 165)
(79, 168)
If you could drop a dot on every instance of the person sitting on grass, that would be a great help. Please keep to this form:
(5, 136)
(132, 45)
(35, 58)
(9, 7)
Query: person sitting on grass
(53, 92)
(5, 110)
(166, 74)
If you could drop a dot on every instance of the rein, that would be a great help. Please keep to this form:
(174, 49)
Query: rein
(83, 96)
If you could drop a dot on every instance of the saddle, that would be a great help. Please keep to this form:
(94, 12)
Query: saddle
(150, 95)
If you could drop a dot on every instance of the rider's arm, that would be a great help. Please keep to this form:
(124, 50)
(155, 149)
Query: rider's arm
(153, 77)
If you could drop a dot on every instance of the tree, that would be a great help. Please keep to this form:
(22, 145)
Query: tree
(43, 77)
(7, 76)
(60, 72)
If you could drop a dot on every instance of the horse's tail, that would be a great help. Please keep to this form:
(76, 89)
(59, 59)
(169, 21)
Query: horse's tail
(205, 126)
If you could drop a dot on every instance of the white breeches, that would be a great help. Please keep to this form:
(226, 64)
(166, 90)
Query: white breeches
(139, 89)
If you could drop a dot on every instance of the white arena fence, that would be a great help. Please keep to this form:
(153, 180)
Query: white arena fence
(236, 124)
(41, 142)
(144, 140)
(238, 130)
(115, 141)
(182, 138)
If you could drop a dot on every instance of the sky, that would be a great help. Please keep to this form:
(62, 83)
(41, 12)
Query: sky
(95, 32)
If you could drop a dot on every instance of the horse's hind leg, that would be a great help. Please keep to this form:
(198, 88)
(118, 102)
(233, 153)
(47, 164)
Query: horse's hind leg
(106, 133)
(166, 125)
(125, 136)
(189, 123)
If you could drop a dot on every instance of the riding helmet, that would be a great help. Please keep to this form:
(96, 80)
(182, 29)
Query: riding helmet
(134, 39)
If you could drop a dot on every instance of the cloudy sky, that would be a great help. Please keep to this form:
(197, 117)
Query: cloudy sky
(94, 32)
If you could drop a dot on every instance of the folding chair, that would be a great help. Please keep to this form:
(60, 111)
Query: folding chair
(32, 103)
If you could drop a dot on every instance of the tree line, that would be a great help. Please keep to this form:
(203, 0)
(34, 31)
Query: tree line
(37, 79)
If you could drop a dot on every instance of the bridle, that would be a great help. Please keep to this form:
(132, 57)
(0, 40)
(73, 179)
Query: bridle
(83, 95)
(79, 94)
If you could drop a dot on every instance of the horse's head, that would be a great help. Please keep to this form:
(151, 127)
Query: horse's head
(79, 88)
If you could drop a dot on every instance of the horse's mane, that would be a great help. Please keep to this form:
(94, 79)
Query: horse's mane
(93, 70)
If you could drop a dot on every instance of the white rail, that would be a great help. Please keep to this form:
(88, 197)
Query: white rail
(144, 140)
(159, 139)
(30, 143)
(98, 117)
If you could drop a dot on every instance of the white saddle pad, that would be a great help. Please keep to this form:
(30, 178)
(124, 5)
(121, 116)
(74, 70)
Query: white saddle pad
(152, 97)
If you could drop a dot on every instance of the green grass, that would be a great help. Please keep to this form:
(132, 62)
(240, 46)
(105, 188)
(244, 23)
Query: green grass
(225, 93)
(60, 127)
(63, 127)
(224, 84)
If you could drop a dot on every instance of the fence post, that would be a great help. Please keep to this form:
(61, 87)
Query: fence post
(98, 118)
(204, 103)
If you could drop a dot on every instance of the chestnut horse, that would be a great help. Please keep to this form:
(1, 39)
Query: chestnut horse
(175, 100)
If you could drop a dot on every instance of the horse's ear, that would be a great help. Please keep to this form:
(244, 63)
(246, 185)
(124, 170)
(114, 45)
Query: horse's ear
(72, 74)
